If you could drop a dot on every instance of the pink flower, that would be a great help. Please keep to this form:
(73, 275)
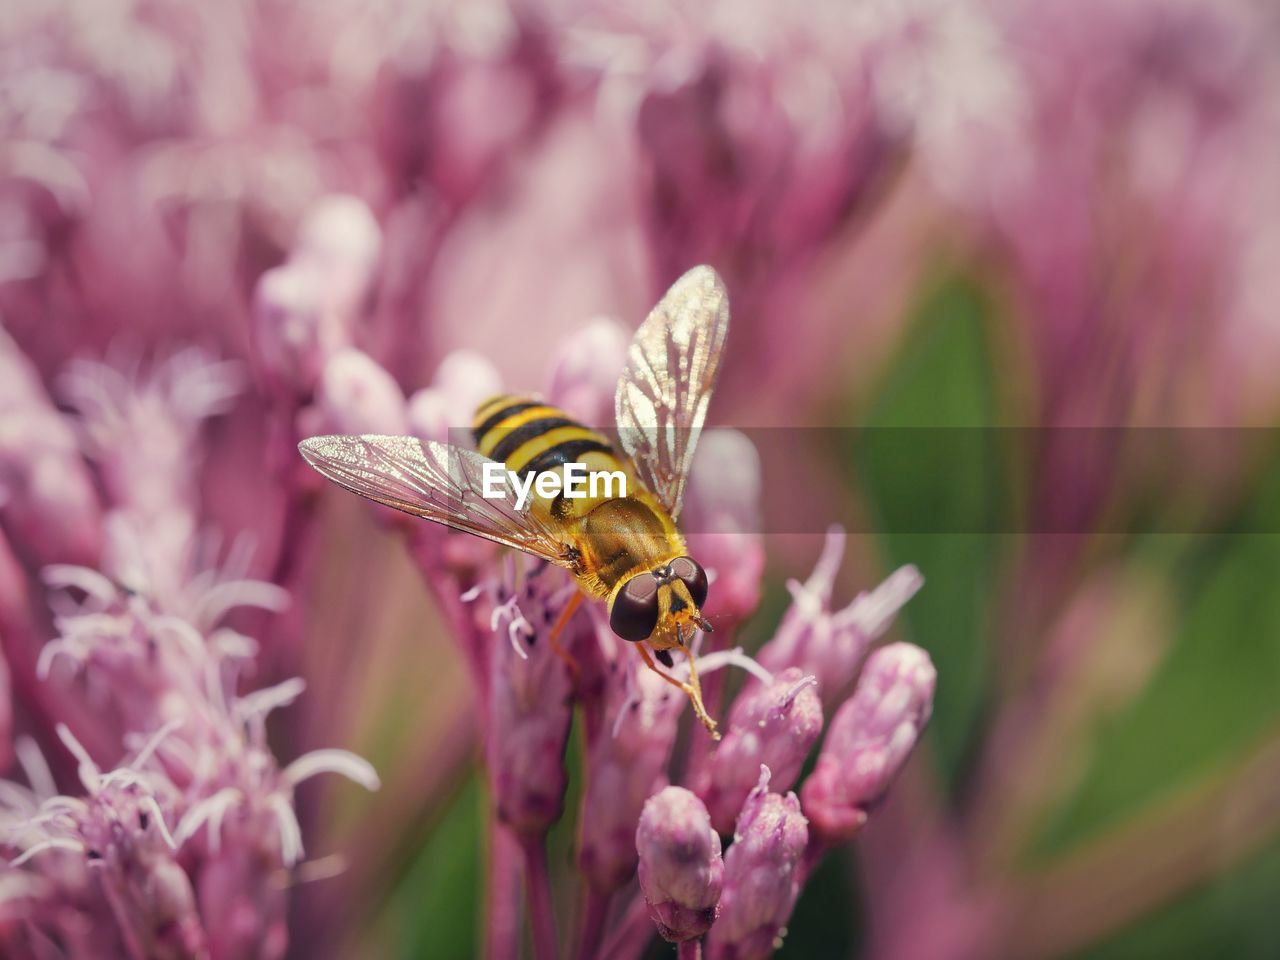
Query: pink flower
(305, 310)
(443, 411)
(831, 644)
(529, 697)
(293, 334)
(681, 872)
(118, 832)
(227, 805)
(625, 763)
(869, 740)
(356, 395)
(772, 725)
(336, 210)
(763, 874)
(585, 371)
(143, 431)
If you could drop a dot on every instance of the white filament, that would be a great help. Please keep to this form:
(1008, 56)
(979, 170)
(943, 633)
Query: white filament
(261, 702)
(150, 805)
(90, 775)
(342, 762)
(53, 843)
(290, 832)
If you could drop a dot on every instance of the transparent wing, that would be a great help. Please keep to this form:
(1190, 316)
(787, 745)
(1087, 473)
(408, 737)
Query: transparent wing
(665, 389)
(436, 481)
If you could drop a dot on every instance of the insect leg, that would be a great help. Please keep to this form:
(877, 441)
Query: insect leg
(648, 662)
(692, 689)
(695, 694)
(562, 621)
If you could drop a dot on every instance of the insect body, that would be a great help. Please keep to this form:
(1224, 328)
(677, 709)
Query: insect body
(625, 550)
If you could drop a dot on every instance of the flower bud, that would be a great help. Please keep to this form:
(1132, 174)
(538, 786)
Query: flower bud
(831, 644)
(342, 240)
(722, 523)
(774, 725)
(358, 396)
(761, 876)
(293, 335)
(681, 872)
(870, 739)
(304, 309)
(463, 381)
(585, 372)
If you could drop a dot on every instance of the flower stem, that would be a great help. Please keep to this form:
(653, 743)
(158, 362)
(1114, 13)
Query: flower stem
(538, 887)
(128, 935)
(502, 897)
(593, 917)
(689, 950)
(631, 934)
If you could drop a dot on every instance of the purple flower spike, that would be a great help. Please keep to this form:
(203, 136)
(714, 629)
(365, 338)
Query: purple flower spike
(118, 831)
(831, 644)
(626, 762)
(530, 709)
(681, 872)
(762, 875)
(774, 725)
(870, 738)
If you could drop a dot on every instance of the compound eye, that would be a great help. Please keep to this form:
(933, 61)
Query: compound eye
(694, 577)
(635, 608)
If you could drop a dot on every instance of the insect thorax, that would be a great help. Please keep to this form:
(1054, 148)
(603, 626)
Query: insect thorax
(621, 536)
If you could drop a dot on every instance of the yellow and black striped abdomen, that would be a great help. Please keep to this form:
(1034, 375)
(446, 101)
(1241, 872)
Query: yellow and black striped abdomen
(532, 437)
(615, 534)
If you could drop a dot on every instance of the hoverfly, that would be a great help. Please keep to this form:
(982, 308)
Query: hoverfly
(624, 550)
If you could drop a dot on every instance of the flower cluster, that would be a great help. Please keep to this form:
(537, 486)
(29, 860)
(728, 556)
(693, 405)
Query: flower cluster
(635, 817)
(187, 847)
(228, 226)
(503, 611)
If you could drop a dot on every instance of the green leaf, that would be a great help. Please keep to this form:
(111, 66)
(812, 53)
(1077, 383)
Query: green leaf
(936, 487)
(1233, 917)
(1207, 706)
(1214, 694)
(434, 912)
